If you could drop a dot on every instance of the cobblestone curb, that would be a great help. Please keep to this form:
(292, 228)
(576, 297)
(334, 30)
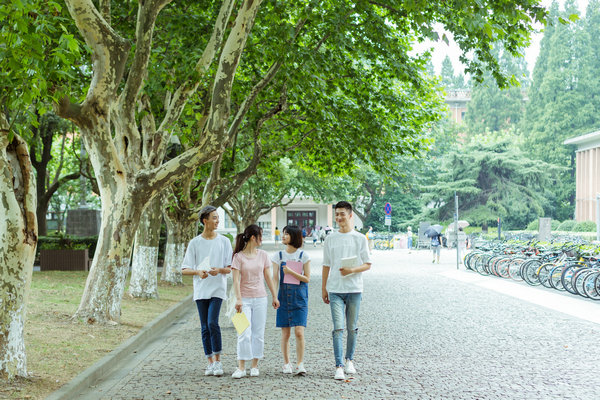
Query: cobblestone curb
(107, 364)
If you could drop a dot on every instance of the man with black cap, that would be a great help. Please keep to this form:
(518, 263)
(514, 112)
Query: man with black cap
(208, 258)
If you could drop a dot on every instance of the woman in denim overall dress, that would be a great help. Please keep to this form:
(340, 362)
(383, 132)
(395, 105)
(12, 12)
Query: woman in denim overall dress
(293, 297)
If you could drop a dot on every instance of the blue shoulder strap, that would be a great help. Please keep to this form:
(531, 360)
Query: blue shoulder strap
(280, 257)
(301, 254)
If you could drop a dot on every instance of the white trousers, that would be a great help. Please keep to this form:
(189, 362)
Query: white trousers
(251, 343)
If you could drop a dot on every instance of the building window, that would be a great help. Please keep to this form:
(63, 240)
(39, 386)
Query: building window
(229, 222)
(266, 226)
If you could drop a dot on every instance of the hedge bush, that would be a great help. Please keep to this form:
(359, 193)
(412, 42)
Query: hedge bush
(585, 226)
(567, 225)
(57, 242)
(534, 225)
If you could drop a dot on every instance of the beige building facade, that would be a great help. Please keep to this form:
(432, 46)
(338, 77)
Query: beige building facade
(587, 172)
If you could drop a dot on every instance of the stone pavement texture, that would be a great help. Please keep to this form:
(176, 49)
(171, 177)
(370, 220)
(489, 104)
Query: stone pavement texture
(422, 335)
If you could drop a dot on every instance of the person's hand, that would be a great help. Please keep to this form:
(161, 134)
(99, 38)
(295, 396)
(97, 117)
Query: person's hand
(325, 296)
(275, 304)
(213, 271)
(346, 271)
(203, 274)
(286, 270)
(238, 306)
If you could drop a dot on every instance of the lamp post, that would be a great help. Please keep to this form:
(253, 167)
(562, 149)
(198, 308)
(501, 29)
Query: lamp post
(456, 228)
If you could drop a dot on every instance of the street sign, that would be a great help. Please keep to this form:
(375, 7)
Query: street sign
(388, 220)
(388, 209)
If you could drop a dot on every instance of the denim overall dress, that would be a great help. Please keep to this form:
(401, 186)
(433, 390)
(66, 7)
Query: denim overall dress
(293, 301)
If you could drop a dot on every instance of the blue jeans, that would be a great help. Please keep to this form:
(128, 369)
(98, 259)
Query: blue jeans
(344, 311)
(209, 309)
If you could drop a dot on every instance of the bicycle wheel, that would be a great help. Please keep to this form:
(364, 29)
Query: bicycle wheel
(554, 278)
(480, 265)
(543, 274)
(529, 272)
(578, 280)
(514, 269)
(566, 277)
(589, 285)
(500, 267)
(469, 258)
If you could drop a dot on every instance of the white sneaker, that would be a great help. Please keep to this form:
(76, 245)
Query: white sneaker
(300, 370)
(253, 371)
(339, 374)
(349, 368)
(209, 369)
(238, 373)
(287, 368)
(217, 368)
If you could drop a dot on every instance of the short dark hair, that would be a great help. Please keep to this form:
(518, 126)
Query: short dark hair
(295, 235)
(205, 212)
(343, 204)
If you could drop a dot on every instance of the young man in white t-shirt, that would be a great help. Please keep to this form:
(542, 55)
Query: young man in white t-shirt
(342, 285)
(208, 258)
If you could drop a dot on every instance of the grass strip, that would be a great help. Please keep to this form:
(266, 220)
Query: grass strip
(58, 347)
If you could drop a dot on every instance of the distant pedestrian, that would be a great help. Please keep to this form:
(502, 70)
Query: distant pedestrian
(210, 283)
(293, 297)
(409, 238)
(436, 245)
(345, 258)
(315, 236)
(303, 233)
(250, 273)
(277, 235)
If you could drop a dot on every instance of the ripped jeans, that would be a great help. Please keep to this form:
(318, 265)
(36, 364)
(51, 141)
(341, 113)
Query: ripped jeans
(344, 308)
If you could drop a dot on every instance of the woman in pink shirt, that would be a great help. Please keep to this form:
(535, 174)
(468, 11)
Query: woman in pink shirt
(250, 267)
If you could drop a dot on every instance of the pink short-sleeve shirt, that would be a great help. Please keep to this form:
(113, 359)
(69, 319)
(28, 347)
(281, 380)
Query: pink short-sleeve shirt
(252, 281)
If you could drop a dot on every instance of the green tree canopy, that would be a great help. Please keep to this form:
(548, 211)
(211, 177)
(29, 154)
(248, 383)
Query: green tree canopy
(492, 178)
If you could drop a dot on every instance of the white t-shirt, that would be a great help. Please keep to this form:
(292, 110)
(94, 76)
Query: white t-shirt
(343, 245)
(295, 256)
(219, 252)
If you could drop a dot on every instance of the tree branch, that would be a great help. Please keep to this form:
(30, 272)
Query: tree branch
(177, 101)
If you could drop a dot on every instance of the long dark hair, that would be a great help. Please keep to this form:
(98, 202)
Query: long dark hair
(242, 239)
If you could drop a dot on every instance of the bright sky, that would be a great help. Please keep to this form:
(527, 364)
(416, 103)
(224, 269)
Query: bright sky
(441, 49)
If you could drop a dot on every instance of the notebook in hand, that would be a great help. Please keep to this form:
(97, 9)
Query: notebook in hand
(350, 262)
(240, 321)
(204, 265)
(295, 266)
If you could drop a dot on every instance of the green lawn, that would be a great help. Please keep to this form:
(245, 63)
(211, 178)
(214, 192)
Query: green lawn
(58, 347)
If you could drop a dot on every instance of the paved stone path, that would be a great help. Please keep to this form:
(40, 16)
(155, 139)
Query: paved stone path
(426, 331)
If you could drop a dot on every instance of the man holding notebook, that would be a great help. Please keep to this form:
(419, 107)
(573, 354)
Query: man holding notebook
(345, 258)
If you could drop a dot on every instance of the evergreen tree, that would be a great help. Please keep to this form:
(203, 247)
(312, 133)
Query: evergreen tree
(564, 97)
(494, 109)
(493, 178)
(448, 78)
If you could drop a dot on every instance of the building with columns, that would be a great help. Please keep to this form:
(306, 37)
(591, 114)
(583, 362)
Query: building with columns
(303, 212)
(587, 172)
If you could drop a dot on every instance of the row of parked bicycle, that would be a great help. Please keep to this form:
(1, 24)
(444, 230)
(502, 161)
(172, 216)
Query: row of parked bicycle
(570, 267)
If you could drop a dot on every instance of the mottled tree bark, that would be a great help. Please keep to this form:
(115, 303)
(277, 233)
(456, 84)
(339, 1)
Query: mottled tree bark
(181, 228)
(126, 153)
(143, 281)
(18, 241)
